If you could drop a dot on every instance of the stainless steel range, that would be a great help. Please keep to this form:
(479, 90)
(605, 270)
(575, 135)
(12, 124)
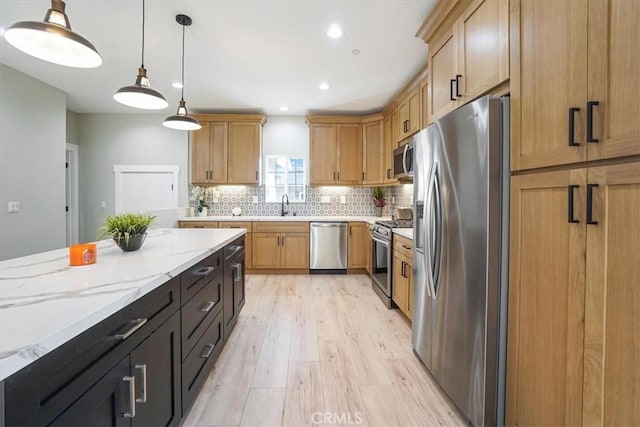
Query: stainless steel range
(382, 256)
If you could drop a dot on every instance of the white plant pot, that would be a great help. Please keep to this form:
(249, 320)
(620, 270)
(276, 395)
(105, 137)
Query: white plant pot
(202, 213)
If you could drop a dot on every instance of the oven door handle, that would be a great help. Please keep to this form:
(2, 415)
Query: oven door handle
(382, 242)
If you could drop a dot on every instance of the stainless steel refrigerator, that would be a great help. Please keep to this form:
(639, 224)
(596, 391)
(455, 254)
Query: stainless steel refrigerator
(460, 255)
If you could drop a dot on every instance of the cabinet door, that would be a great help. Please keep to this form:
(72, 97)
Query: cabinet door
(239, 283)
(356, 253)
(104, 404)
(424, 104)
(155, 364)
(409, 277)
(200, 154)
(483, 37)
(373, 153)
(295, 250)
(218, 155)
(399, 284)
(266, 250)
(244, 152)
(546, 300)
(413, 125)
(395, 130)
(403, 118)
(548, 77)
(614, 80)
(229, 295)
(322, 152)
(367, 250)
(443, 65)
(349, 154)
(612, 318)
(389, 146)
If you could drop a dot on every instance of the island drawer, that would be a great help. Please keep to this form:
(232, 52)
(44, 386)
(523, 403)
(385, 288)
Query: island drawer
(199, 311)
(197, 277)
(233, 249)
(200, 362)
(42, 390)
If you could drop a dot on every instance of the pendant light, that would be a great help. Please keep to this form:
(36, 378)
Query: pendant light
(182, 120)
(140, 95)
(53, 40)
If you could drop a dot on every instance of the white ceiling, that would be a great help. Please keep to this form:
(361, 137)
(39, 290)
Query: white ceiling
(245, 56)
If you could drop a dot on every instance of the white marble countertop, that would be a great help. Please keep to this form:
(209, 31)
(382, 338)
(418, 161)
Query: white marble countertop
(44, 302)
(369, 219)
(404, 232)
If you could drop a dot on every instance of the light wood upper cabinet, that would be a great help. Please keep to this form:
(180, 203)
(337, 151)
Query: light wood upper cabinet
(409, 114)
(574, 100)
(336, 153)
(356, 250)
(393, 126)
(373, 155)
(244, 152)
(612, 317)
(424, 104)
(390, 144)
(470, 57)
(573, 348)
(209, 154)
(227, 149)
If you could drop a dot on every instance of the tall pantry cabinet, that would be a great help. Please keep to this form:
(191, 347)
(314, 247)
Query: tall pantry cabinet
(574, 299)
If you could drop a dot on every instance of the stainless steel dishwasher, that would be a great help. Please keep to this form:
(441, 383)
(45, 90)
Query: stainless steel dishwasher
(328, 251)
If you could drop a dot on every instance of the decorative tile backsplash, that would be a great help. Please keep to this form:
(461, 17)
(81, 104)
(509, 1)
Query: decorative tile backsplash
(358, 200)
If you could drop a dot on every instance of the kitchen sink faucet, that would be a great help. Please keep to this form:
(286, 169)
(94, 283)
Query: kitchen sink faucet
(282, 210)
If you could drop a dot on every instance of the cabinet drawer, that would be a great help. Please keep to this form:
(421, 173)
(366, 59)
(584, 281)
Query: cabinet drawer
(194, 279)
(198, 224)
(403, 245)
(199, 311)
(45, 388)
(233, 249)
(281, 227)
(236, 224)
(198, 365)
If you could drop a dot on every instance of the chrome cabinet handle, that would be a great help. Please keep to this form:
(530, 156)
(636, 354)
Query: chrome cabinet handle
(237, 271)
(139, 324)
(132, 397)
(143, 370)
(204, 271)
(207, 307)
(208, 350)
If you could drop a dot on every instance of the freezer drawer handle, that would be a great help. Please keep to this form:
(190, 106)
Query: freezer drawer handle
(570, 189)
(590, 188)
(572, 124)
(590, 106)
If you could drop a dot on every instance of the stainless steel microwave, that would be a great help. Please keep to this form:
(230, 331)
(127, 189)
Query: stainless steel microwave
(403, 162)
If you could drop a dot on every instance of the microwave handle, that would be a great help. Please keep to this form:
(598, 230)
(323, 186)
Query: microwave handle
(404, 159)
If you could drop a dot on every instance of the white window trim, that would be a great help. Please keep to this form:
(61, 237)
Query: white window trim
(120, 170)
(304, 175)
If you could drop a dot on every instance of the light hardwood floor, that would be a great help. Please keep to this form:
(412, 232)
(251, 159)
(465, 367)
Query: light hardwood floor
(319, 351)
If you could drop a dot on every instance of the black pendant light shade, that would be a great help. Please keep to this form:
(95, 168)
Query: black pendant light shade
(141, 95)
(182, 120)
(53, 40)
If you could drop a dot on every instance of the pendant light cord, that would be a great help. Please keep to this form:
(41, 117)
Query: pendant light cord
(182, 91)
(142, 33)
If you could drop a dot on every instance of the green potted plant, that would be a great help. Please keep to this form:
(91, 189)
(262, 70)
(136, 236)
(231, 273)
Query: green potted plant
(128, 230)
(202, 206)
(378, 200)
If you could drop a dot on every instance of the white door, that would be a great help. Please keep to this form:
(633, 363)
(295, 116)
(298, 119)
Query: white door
(142, 188)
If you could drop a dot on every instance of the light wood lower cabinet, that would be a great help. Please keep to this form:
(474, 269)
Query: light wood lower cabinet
(280, 245)
(198, 224)
(402, 270)
(574, 301)
(356, 249)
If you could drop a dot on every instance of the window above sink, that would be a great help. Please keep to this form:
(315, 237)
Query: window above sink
(284, 175)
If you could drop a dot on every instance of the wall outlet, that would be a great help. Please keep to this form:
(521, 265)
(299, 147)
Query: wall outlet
(325, 199)
(343, 200)
(255, 200)
(103, 204)
(13, 207)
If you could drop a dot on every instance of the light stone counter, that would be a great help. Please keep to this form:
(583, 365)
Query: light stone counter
(368, 219)
(404, 232)
(45, 303)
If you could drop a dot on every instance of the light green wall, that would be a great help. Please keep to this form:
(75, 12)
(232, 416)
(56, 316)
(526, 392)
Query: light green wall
(32, 157)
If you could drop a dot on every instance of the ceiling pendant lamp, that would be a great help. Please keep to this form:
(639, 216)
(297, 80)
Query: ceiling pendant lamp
(182, 120)
(141, 95)
(53, 40)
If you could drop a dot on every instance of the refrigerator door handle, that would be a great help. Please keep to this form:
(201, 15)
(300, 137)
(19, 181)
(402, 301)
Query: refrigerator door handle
(439, 229)
(428, 226)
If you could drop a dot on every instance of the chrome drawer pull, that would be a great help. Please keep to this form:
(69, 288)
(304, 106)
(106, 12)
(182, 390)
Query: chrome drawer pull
(139, 324)
(204, 271)
(208, 350)
(132, 397)
(143, 370)
(207, 307)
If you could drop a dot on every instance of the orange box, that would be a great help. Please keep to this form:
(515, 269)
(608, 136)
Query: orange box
(84, 254)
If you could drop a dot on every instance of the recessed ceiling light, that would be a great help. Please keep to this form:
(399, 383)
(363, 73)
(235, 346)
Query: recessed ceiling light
(335, 31)
(284, 108)
(355, 52)
(324, 86)
(177, 85)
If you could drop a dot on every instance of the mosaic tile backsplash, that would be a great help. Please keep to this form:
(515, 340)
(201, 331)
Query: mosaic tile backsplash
(358, 200)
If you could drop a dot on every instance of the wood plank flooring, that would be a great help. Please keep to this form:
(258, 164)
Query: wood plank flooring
(319, 351)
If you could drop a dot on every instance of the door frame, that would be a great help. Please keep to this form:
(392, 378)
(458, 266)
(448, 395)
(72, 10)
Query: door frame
(72, 218)
(120, 170)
